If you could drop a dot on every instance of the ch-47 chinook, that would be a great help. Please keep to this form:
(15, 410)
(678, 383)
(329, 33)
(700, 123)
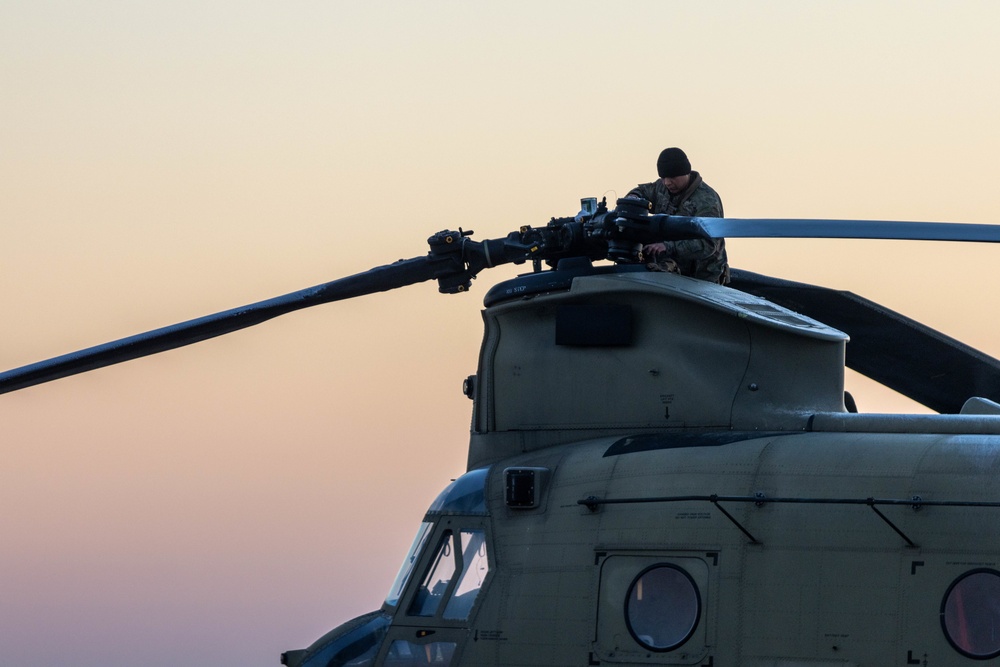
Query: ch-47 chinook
(664, 471)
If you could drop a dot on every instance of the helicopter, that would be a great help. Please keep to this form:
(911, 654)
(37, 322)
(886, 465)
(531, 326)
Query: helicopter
(666, 471)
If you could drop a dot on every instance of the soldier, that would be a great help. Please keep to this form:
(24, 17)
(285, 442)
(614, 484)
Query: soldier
(680, 191)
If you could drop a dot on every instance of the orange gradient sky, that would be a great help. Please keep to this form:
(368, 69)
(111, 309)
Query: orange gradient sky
(224, 502)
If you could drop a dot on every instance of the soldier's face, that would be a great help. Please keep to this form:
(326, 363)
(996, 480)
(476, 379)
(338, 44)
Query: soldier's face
(675, 184)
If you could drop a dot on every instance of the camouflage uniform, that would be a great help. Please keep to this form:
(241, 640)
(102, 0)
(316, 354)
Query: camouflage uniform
(704, 259)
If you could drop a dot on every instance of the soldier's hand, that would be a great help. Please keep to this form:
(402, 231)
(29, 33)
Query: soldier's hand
(653, 249)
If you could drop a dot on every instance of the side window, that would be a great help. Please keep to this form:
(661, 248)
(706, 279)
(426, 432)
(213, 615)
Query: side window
(663, 607)
(655, 608)
(456, 572)
(970, 614)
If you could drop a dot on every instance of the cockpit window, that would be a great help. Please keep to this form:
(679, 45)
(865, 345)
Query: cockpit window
(406, 569)
(439, 575)
(475, 567)
(456, 573)
(466, 495)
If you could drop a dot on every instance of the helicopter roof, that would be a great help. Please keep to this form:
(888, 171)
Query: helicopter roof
(613, 278)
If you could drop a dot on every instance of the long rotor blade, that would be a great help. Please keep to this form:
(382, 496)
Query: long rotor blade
(379, 279)
(455, 259)
(845, 229)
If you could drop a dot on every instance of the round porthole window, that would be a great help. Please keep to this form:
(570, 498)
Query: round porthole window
(970, 614)
(662, 608)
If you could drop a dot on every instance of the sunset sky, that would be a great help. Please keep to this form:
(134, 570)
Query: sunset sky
(160, 161)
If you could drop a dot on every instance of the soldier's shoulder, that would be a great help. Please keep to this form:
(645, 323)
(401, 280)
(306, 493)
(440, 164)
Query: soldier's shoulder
(706, 200)
(646, 188)
(706, 191)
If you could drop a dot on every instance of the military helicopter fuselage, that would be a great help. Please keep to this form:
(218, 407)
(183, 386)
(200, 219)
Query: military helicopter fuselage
(663, 472)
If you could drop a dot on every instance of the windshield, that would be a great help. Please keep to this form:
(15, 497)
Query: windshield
(406, 569)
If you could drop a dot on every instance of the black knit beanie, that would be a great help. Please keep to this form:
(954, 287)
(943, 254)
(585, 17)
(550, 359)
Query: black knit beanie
(672, 162)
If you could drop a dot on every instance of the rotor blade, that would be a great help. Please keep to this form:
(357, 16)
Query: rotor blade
(846, 229)
(379, 279)
(902, 354)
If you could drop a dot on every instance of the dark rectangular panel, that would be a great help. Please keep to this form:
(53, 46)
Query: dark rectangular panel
(594, 325)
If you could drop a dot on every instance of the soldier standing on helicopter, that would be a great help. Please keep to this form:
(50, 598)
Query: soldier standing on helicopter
(680, 191)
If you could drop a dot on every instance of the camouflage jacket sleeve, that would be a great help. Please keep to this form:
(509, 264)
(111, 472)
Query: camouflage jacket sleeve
(644, 190)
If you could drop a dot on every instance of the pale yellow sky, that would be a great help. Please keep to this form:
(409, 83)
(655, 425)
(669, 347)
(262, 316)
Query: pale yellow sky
(162, 161)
